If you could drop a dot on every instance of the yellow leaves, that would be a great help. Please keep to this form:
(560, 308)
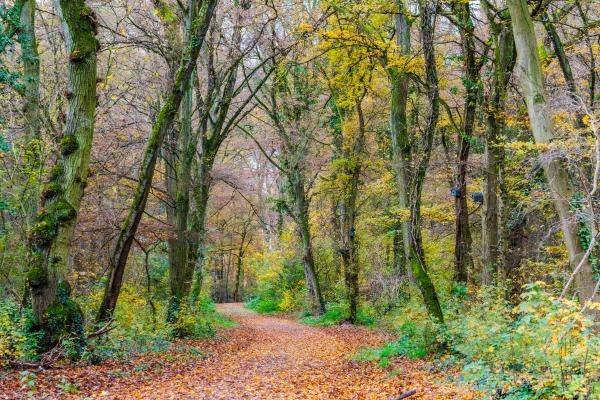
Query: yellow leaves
(522, 147)
(406, 64)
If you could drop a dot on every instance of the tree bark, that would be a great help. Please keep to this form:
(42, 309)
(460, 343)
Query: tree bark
(417, 254)
(401, 143)
(50, 237)
(160, 128)
(348, 211)
(504, 59)
(31, 107)
(463, 260)
(301, 215)
(531, 80)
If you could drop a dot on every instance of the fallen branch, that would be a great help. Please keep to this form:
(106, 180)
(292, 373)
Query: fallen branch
(406, 394)
(105, 329)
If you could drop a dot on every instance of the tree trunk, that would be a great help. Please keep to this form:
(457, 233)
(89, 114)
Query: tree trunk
(348, 211)
(532, 84)
(417, 254)
(198, 226)
(50, 237)
(504, 58)
(160, 128)
(302, 219)
(565, 66)
(401, 144)
(463, 260)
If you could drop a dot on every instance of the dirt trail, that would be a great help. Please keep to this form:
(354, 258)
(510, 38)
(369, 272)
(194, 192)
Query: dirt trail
(264, 357)
(274, 358)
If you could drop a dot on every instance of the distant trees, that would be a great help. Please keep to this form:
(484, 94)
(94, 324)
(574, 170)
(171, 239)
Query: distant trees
(311, 143)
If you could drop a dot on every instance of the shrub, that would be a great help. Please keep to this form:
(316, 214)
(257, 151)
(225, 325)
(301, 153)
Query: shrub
(15, 341)
(337, 313)
(543, 348)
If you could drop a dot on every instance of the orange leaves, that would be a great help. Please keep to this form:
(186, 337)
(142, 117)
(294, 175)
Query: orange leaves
(264, 358)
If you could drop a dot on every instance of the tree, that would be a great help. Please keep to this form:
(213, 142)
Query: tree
(50, 237)
(531, 80)
(495, 108)
(202, 15)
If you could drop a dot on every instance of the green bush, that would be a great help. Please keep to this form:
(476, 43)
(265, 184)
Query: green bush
(543, 348)
(16, 344)
(281, 290)
(337, 313)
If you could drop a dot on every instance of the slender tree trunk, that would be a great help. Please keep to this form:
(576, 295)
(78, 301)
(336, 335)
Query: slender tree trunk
(348, 212)
(50, 237)
(302, 218)
(160, 128)
(504, 58)
(565, 66)
(532, 84)
(417, 254)
(463, 261)
(31, 107)
(198, 227)
(401, 144)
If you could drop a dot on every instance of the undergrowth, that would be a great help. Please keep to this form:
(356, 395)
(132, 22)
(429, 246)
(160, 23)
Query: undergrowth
(542, 348)
(139, 328)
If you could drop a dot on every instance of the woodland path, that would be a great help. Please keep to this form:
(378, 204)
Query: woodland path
(266, 357)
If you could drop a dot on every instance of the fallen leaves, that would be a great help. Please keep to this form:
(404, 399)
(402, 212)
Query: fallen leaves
(263, 358)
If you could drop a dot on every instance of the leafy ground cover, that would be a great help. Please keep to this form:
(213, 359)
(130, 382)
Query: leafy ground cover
(263, 357)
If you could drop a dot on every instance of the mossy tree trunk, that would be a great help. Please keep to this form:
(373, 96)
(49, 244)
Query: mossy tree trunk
(50, 237)
(31, 105)
(163, 123)
(417, 254)
(495, 106)
(302, 217)
(531, 81)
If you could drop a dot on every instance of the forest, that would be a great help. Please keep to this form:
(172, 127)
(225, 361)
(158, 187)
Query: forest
(300, 199)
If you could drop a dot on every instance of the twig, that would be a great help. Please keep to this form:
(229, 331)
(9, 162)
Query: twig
(406, 394)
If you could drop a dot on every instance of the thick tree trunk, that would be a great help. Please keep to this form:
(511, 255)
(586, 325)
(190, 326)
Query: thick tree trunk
(160, 128)
(531, 80)
(50, 237)
(504, 58)
(179, 245)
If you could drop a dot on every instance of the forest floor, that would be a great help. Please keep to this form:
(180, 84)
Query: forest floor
(263, 357)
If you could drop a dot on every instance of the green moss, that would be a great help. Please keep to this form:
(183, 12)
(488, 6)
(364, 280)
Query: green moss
(52, 189)
(64, 319)
(37, 276)
(44, 231)
(56, 172)
(68, 145)
(62, 211)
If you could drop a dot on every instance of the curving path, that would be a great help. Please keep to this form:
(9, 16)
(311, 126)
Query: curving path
(273, 358)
